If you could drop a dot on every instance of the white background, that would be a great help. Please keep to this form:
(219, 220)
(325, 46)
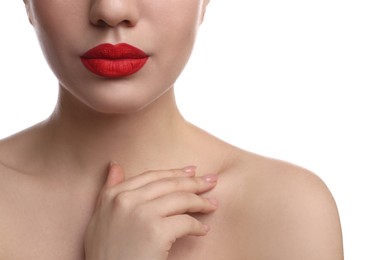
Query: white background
(304, 81)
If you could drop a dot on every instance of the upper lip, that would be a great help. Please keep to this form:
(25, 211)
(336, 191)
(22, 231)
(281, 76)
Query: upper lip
(118, 51)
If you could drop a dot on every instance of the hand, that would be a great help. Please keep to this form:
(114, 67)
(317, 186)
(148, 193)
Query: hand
(140, 218)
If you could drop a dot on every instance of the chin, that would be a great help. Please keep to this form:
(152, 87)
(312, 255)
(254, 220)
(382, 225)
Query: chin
(114, 98)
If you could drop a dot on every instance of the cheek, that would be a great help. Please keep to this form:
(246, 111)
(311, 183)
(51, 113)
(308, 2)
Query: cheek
(58, 23)
(176, 20)
(55, 19)
(175, 24)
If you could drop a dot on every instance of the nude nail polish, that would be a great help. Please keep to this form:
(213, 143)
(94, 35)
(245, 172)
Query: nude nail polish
(210, 178)
(189, 169)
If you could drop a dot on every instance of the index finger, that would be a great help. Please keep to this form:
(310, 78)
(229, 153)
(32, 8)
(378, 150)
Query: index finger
(152, 176)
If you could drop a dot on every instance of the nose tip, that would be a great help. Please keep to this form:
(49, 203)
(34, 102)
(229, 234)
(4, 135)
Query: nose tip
(112, 13)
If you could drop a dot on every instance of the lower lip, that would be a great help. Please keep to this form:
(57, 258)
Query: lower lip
(114, 68)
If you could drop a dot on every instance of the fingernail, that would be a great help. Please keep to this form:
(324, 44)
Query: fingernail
(213, 201)
(206, 227)
(210, 177)
(112, 163)
(189, 169)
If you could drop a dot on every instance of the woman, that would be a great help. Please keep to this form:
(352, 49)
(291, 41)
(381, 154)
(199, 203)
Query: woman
(171, 190)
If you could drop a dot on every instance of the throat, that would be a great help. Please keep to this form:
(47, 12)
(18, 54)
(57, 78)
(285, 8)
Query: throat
(144, 141)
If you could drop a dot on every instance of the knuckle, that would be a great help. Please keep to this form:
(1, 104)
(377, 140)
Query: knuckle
(174, 183)
(121, 200)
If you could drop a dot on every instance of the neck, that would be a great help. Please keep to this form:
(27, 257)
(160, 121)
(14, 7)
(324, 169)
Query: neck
(84, 139)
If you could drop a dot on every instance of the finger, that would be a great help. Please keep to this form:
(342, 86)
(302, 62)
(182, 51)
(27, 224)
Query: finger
(152, 176)
(115, 175)
(185, 225)
(180, 203)
(165, 186)
(155, 190)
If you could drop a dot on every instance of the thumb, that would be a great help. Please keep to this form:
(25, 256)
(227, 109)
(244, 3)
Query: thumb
(115, 175)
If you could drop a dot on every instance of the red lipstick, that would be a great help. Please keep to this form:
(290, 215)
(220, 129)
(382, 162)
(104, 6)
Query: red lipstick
(114, 61)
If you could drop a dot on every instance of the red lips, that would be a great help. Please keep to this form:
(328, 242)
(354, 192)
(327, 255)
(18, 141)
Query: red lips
(114, 61)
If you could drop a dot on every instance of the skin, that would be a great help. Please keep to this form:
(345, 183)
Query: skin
(62, 199)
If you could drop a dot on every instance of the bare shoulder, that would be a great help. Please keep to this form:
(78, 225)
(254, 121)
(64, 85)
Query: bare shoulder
(287, 211)
(19, 149)
(11, 158)
(15, 159)
(9, 193)
(7, 156)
